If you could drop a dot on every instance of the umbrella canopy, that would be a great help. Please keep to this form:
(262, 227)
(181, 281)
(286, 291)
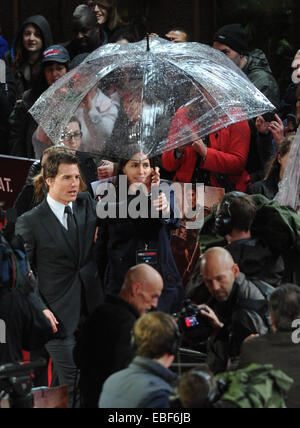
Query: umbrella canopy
(289, 187)
(128, 94)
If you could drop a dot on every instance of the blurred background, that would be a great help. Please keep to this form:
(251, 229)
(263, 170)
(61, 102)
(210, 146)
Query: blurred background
(272, 25)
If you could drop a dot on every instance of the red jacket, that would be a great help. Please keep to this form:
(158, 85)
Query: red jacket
(227, 154)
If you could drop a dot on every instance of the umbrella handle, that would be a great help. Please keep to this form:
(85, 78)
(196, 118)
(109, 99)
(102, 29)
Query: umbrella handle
(148, 42)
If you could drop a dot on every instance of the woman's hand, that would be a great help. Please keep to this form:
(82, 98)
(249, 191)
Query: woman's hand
(200, 148)
(106, 170)
(153, 179)
(262, 126)
(162, 204)
(277, 129)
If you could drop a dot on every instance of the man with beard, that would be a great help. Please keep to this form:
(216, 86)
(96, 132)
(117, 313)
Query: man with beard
(237, 309)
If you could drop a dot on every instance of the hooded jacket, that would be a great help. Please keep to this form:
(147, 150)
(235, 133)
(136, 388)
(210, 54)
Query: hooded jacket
(259, 73)
(23, 74)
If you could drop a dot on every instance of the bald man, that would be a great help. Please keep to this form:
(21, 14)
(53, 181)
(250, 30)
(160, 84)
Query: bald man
(105, 343)
(237, 309)
(88, 36)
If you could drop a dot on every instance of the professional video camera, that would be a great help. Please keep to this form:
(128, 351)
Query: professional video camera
(16, 384)
(193, 325)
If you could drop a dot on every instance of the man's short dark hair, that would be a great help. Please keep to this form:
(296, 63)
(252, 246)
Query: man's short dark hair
(84, 10)
(51, 166)
(285, 306)
(195, 387)
(240, 209)
(155, 335)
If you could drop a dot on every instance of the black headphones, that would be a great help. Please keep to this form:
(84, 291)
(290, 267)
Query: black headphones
(173, 347)
(223, 222)
(213, 391)
(177, 339)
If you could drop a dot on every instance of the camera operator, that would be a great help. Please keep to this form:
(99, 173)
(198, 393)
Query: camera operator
(25, 325)
(237, 308)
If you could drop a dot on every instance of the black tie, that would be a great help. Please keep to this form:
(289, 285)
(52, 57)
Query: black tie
(72, 228)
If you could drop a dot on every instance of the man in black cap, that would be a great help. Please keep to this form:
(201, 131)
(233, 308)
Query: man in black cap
(232, 40)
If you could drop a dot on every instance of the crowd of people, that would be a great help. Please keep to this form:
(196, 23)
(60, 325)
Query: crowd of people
(98, 296)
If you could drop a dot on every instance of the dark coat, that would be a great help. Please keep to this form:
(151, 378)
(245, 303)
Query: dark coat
(104, 346)
(279, 350)
(22, 127)
(26, 326)
(118, 242)
(256, 261)
(7, 101)
(242, 315)
(65, 273)
(23, 75)
(260, 74)
(144, 384)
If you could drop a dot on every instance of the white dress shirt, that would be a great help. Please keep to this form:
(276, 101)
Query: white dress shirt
(59, 210)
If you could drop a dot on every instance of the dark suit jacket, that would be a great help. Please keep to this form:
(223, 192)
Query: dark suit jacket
(104, 346)
(279, 350)
(65, 273)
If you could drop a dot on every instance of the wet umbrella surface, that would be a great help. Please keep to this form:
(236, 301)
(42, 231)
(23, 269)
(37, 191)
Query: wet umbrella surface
(126, 94)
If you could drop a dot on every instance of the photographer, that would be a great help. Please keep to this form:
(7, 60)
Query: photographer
(26, 325)
(236, 310)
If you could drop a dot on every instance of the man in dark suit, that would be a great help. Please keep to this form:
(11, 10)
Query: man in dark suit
(281, 348)
(59, 239)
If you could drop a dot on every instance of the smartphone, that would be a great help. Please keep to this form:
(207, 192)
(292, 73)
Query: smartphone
(270, 116)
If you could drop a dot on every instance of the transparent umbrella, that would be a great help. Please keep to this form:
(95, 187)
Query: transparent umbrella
(289, 187)
(129, 94)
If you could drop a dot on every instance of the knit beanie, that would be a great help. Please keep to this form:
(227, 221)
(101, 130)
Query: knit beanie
(233, 36)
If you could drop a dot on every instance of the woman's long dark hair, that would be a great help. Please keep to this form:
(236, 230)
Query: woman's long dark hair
(21, 54)
(128, 153)
(273, 168)
(114, 19)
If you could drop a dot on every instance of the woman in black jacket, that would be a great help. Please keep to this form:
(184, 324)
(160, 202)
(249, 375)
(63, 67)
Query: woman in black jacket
(128, 238)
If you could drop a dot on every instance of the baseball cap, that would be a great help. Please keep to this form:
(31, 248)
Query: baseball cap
(56, 53)
(234, 36)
